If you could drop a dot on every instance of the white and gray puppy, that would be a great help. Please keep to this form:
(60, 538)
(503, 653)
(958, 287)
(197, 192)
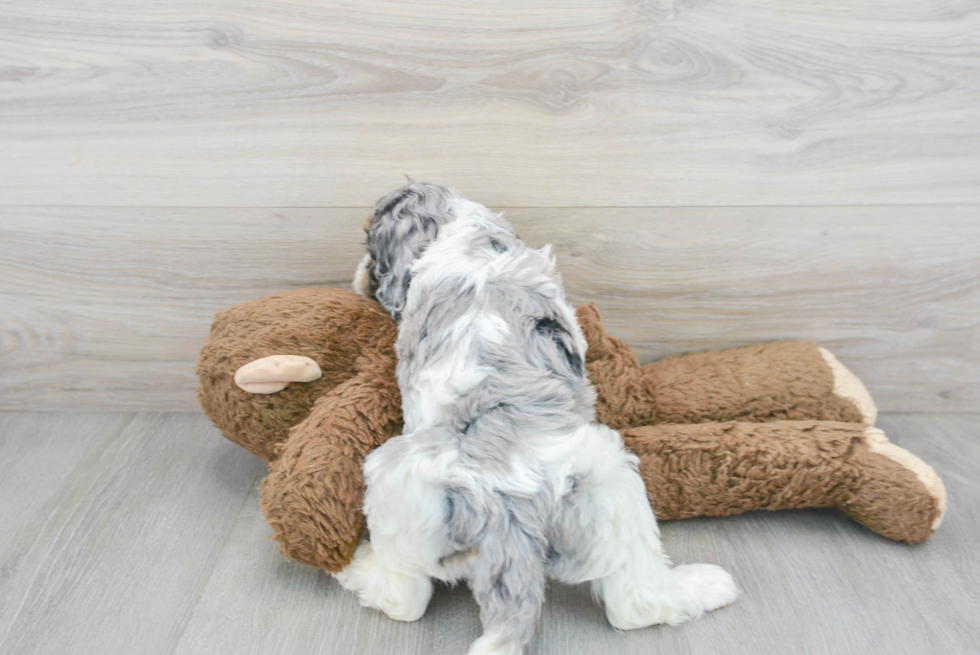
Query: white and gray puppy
(501, 477)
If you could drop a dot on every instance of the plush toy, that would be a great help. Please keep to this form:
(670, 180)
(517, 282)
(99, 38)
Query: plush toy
(306, 380)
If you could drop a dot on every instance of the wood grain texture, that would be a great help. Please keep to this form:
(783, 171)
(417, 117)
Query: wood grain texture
(108, 307)
(566, 103)
(154, 543)
(108, 553)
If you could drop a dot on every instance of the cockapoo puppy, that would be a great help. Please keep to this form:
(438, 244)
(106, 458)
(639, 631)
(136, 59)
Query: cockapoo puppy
(501, 477)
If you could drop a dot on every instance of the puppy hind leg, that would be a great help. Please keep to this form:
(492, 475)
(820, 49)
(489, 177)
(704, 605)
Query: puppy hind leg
(644, 589)
(403, 593)
(391, 571)
(508, 584)
(607, 533)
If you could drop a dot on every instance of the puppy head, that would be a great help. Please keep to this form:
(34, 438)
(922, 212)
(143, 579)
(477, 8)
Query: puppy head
(404, 223)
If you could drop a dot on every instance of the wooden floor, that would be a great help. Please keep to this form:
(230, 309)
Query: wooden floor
(141, 533)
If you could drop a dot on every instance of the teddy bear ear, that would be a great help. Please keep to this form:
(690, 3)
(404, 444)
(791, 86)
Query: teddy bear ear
(275, 372)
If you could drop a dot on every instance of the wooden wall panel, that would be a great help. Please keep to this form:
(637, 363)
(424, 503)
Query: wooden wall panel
(556, 103)
(108, 307)
(739, 171)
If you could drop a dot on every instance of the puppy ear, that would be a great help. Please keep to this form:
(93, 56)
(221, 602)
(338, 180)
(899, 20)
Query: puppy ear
(393, 267)
(405, 222)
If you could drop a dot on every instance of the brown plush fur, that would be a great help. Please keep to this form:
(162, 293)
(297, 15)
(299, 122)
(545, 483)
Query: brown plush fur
(314, 435)
(347, 335)
(785, 380)
(796, 445)
(717, 469)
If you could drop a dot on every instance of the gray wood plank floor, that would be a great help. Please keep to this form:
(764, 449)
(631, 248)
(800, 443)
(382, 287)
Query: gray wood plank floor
(141, 533)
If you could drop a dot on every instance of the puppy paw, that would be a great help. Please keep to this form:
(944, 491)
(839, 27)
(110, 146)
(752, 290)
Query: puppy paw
(707, 585)
(679, 594)
(402, 596)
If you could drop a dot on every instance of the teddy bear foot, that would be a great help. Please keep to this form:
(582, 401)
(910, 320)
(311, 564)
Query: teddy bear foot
(899, 496)
(848, 386)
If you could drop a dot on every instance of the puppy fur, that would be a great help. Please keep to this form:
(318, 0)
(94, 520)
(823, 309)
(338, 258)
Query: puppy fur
(501, 477)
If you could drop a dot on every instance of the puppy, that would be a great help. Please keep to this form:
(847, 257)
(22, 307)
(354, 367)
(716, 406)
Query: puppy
(501, 477)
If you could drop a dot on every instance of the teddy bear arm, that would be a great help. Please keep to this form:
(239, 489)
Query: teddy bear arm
(783, 380)
(314, 492)
(717, 469)
(311, 498)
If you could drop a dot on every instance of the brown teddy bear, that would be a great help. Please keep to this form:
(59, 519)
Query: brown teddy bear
(306, 380)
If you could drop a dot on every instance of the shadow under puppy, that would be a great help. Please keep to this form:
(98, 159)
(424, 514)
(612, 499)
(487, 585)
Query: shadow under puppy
(501, 476)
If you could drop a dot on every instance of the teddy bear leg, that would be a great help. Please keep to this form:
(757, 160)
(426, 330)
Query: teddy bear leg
(899, 496)
(724, 468)
(783, 380)
(718, 469)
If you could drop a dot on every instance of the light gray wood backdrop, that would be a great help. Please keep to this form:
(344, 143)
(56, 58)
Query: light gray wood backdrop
(711, 173)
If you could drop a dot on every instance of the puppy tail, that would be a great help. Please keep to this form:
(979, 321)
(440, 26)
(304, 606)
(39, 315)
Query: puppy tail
(508, 577)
